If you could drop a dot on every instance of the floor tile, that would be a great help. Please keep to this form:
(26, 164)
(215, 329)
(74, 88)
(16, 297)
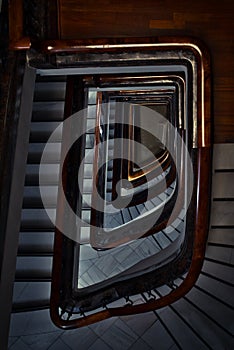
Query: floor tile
(12, 340)
(93, 275)
(86, 253)
(81, 338)
(101, 327)
(173, 347)
(35, 322)
(123, 253)
(19, 323)
(119, 336)
(99, 345)
(139, 323)
(106, 264)
(84, 266)
(140, 345)
(41, 341)
(59, 345)
(19, 345)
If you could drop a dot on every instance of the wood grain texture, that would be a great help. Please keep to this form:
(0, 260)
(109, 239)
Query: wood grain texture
(223, 185)
(223, 158)
(222, 213)
(17, 40)
(211, 21)
(222, 236)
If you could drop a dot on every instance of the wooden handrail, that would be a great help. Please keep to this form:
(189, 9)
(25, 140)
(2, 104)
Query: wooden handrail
(202, 160)
(17, 39)
(201, 229)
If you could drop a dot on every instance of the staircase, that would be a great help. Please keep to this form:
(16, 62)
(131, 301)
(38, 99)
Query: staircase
(203, 319)
(34, 260)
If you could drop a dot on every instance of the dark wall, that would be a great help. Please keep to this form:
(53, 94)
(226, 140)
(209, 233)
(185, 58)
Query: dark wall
(210, 20)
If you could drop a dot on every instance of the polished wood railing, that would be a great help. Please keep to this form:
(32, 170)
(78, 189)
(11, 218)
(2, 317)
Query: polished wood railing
(189, 258)
(50, 51)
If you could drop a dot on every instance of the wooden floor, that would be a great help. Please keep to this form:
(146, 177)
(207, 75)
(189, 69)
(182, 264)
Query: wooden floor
(210, 20)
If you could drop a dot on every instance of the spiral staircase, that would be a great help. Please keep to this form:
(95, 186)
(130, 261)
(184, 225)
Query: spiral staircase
(201, 319)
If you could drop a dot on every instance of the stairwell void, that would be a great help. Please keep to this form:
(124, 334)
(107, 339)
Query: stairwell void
(128, 98)
(104, 137)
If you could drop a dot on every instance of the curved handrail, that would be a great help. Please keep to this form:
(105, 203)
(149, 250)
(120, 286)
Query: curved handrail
(201, 226)
(201, 164)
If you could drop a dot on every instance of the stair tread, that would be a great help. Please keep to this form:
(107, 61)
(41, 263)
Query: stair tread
(36, 243)
(37, 219)
(36, 238)
(50, 90)
(36, 149)
(49, 174)
(33, 267)
(200, 323)
(50, 110)
(32, 196)
(41, 131)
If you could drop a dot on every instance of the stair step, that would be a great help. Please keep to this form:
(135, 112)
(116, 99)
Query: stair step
(36, 243)
(89, 141)
(162, 240)
(149, 205)
(87, 186)
(216, 270)
(222, 254)
(41, 131)
(111, 144)
(91, 123)
(111, 132)
(89, 154)
(49, 91)
(49, 174)
(32, 196)
(36, 149)
(37, 219)
(88, 171)
(110, 165)
(51, 78)
(86, 201)
(216, 288)
(31, 295)
(109, 175)
(29, 268)
(215, 336)
(109, 186)
(126, 214)
(91, 112)
(212, 307)
(48, 111)
(221, 236)
(85, 215)
(36, 238)
(133, 212)
(185, 336)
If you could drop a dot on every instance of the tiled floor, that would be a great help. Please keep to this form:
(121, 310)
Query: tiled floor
(96, 266)
(34, 330)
